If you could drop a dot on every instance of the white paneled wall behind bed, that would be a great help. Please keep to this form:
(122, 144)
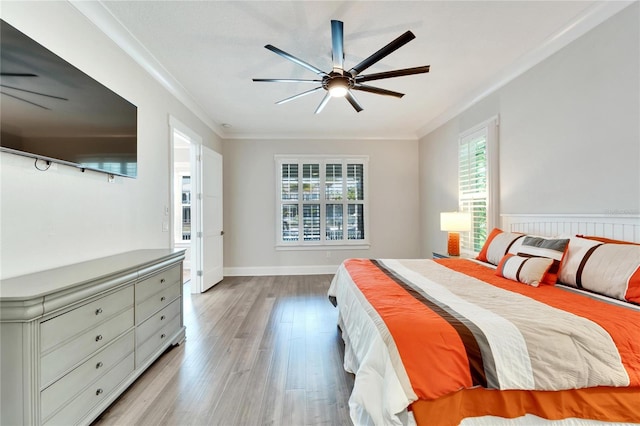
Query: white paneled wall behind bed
(625, 227)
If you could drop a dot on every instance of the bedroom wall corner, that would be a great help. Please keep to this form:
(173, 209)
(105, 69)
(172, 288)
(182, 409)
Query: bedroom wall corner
(63, 216)
(569, 134)
(250, 216)
(438, 153)
(570, 127)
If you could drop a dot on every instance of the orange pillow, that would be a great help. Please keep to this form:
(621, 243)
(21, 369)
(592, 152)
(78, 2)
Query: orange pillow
(497, 245)
(606, 240)
(483, 253)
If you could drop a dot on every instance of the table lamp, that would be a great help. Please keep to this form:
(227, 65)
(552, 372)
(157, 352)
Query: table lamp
(454, 223)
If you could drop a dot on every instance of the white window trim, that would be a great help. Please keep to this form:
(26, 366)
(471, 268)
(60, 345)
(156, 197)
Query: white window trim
(491, 127)
(322, 244)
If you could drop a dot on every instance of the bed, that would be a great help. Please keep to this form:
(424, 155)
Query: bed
(451, 341)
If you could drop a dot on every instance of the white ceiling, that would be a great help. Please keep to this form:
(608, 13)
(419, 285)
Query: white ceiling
(209, 51)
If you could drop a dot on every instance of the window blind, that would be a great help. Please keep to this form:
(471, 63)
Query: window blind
(321, 200)
(477, 183)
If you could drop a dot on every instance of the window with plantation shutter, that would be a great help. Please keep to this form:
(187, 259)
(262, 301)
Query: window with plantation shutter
(477, 182)
(322, 201)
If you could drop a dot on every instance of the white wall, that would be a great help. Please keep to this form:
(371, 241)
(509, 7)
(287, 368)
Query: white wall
(569, 134)
(63, 216)
(250, 210)
(569, 143)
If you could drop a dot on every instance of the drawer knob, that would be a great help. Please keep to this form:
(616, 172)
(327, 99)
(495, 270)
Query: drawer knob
(162, 318)
(98, 365)
(99, 391)
(98, 337)
(162, 299)
(98, 311)
(162, 281)
(162, 336)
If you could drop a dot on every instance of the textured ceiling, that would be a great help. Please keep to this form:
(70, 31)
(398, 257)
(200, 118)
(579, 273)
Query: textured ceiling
(214, 49)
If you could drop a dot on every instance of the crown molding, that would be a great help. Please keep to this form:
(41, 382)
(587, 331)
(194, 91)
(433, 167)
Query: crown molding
(103, 19)
(314, 137)
(584, 22)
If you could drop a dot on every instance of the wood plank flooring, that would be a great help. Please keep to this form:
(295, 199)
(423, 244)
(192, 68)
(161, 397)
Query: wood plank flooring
(259, 351)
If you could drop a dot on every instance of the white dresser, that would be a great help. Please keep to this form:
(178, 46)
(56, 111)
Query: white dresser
(72, 339)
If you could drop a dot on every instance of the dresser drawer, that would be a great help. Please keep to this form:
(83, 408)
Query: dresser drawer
(64, 326)
(156, 302)
(156, 283)
(150, 346)
(68, 386)
(93, 394)
(157, 321)
(70, 353)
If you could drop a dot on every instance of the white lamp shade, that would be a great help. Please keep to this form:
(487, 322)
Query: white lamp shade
(455, 221)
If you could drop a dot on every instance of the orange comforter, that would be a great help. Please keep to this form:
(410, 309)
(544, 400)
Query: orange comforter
(460, 330)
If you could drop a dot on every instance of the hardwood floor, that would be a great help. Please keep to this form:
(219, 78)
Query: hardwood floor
(259, 351)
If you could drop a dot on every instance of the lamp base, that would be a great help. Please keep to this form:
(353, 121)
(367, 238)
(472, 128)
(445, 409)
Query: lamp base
(453, 244)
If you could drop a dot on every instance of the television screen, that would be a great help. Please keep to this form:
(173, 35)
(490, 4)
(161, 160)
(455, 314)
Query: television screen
(51, 110)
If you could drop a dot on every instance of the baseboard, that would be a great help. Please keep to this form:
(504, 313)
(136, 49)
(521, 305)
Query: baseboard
(252, 271)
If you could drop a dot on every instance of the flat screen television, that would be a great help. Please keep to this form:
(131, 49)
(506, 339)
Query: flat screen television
(51, 110)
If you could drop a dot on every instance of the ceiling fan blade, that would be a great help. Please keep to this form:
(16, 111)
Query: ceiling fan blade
(17, 74)
(35, 93)
(337, 45)
(299, 95)
(24, 100)
(395, 73)
(324, 101)
(386, 50)
(296, 60)
(353, 101)
(377, 90)
(285, 80)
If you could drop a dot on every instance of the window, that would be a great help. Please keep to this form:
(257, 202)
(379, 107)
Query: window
(477, 182)
(321, 201)
(186, 208)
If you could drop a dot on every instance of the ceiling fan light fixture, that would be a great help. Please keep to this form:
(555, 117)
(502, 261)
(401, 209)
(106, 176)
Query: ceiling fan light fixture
(340, 83)
(338, 87)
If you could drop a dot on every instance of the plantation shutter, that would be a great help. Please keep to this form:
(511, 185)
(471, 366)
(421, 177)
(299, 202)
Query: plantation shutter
(355, 194)
(321, 201)
(477, 183)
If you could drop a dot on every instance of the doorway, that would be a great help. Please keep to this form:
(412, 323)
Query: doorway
(182, 199)
(196, 199)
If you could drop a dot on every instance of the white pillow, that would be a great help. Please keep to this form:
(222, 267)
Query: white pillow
(576, 252)
(527, 270)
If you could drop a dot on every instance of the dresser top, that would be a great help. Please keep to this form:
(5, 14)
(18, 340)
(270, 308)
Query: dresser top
(43, 283)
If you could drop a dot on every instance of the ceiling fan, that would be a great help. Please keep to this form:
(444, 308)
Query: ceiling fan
(340, 82)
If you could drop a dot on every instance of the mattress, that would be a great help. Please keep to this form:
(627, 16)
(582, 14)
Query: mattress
(443, 341)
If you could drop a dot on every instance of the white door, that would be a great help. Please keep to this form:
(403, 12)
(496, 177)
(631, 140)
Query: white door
(209, 236)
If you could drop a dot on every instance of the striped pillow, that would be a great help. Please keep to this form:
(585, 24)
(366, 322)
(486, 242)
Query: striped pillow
(527, 270)
(498, 244)
(611, 269)
(547, 248)
(577, 253)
